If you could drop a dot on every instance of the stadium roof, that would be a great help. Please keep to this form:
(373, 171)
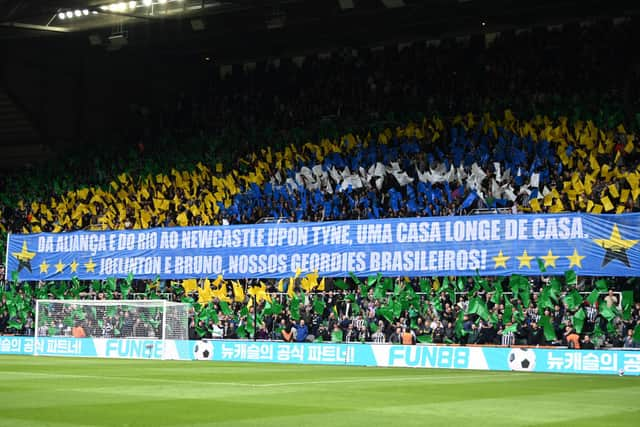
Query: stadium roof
(58, 35)
(310, 23)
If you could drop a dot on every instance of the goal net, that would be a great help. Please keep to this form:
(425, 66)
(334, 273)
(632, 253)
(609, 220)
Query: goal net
(149, 319)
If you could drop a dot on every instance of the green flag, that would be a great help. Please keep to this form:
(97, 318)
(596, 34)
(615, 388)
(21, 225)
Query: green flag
(525, 294)
(578, 320)
(511, 329)
(570, 277)
(372, 280)
(541, 265)
(636, 334)
(507, 315)
(96, 286)
(387, 284)
(547, 326)
(607, 312)
(602, 285)
(593, 297)
(319, 305)
(336, 335)
(373, 327)
(385, 312)
(516, 282)
(497, 295)
(424, 339)
(241, 331)
(110, 287)
(573, 299)
(224, 307)
(379, 292)
(355, 278)
(597, 332)
(340, 284)
(459, 327)
(627, 303)
(477, 306)
(425, 286)
(14, 324)
(544, 299)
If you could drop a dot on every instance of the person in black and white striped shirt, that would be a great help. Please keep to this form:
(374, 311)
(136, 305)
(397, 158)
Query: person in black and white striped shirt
(378, 336)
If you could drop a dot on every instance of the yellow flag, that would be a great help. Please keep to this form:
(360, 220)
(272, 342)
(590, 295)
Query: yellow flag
(321, 285)
(597, 209)
(606, 203)
(221, 293)
(613, 190)
(290, 289)
(189, 285)
(620, 209)
(577, 184)
(182, 220)
(280, 286)
(83, 193)
(593, 162)
(535, 205)
(204, 293)
(145, 218)
(624, 195)
(218, 167)
(628, 148)
(557, 206)
(238, 291)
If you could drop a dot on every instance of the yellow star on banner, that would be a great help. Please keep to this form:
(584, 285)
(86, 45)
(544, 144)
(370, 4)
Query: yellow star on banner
(74, 266)
(525, 259)
(615, 247)
(90, 266)
(550, 259)
(44, 267)
(575, 259)
(59, 267)
(501, 260)
(24, 257)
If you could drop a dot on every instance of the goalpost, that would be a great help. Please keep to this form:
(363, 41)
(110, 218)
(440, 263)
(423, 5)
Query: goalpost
(146, 319)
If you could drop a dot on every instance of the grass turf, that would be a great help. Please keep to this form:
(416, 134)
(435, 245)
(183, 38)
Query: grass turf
(106, 392)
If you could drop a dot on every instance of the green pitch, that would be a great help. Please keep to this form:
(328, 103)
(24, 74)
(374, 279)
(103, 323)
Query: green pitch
(97, 392)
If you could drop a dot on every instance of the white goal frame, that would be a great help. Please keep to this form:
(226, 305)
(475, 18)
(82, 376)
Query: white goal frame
(182, 322)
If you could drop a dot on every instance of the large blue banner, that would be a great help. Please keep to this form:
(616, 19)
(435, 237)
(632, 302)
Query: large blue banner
(611, 362)
(592, 245)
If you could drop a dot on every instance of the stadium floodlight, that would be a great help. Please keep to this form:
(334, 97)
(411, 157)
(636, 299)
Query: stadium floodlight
(69, 14)
(147, 2)
(77, 13)
(162, 1)
(61, 15)
(85, 12)
(132, 5)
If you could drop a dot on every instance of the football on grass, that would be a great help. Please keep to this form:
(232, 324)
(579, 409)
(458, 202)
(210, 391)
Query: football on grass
(522, 359)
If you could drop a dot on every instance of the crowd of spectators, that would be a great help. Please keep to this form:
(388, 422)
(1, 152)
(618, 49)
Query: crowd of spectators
(405, 150)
